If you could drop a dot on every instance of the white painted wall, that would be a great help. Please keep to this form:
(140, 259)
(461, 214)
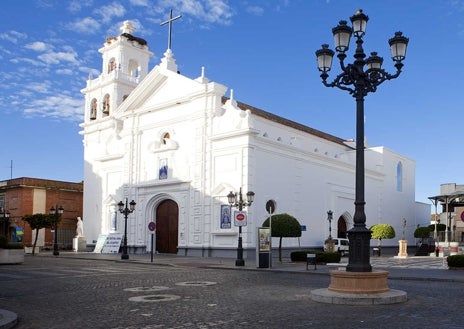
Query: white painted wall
(214, 148)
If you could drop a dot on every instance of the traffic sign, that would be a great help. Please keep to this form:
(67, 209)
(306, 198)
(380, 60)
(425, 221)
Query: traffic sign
(152, 227)
(271, 206)
(240, 218)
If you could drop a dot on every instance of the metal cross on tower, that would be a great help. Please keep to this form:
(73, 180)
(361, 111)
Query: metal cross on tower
(169, 21)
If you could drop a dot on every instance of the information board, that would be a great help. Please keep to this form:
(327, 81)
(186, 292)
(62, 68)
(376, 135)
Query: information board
(112, 243)
(99, 244)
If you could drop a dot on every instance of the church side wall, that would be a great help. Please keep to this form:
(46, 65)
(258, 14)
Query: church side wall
(304, 186)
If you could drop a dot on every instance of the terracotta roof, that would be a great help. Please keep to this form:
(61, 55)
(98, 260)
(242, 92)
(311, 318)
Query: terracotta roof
(289, 123)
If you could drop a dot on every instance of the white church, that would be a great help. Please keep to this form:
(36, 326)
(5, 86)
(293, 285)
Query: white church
(178, 146)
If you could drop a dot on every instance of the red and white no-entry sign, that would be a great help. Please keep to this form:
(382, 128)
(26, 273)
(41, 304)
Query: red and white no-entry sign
(240, 218)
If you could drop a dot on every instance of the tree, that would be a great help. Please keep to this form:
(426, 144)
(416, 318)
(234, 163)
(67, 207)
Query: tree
(283, 226)
(422, 232)
(382, 231)
(39, 221)
(440, 227)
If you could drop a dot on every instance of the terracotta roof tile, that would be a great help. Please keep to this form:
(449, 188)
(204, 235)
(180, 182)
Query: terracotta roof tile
(289, 123)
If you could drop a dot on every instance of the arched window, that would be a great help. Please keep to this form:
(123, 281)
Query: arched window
(106, 105)
(93, 109)
(399, 177)
(111, 65)
(134, 70)
(166, 136)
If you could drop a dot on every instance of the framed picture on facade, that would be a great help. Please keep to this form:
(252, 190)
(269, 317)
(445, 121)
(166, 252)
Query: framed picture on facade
(225, 216)
(163, 169)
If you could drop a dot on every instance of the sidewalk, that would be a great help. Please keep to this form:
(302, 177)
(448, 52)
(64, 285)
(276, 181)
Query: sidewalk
(410, 268)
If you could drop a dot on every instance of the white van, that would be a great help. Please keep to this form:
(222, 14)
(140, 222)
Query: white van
(340, 245)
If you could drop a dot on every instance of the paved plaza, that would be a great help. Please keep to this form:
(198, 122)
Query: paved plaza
(77, 290)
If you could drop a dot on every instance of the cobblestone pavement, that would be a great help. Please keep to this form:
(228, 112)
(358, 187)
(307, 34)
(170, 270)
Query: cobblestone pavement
(104, 292)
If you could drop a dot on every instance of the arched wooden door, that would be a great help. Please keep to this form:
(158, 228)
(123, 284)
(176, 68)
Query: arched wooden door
(167, 218)
(341, 228)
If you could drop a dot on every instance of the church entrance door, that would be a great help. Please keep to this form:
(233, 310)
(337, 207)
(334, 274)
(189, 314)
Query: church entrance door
(341, 228)
(167, 218)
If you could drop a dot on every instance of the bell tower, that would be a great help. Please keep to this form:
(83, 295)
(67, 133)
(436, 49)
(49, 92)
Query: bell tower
(124, 64)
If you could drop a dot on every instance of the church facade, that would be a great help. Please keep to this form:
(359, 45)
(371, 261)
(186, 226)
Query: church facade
(177, 146)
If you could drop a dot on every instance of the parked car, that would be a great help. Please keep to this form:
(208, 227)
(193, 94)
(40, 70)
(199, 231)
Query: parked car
(340, 245)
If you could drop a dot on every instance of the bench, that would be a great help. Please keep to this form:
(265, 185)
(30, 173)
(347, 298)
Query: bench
(310, 260)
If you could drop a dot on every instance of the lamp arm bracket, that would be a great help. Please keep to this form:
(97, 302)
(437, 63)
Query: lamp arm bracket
(378, 76)
(341, 57)
(361, 82)
(341, 81)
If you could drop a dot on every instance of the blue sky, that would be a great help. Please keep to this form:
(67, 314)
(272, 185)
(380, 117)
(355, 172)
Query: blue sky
(264, 50)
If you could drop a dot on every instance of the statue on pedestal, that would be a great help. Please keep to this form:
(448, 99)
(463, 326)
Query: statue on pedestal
(79, 242)
(80, 228)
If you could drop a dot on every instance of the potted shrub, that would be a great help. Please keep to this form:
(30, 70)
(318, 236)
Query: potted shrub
(29, 249)
(382, 231)
(455, 262)
(11, 252)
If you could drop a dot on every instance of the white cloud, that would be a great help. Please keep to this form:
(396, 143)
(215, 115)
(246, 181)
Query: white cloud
(143, 3)
(61, 107)
(64, 71)
(13, 36)
(76, 5)
(86, 25)
(210, 11)
(255, 10)
(37, 46)
(113, 10)
(218, 11)
(39, 87)
(28, 61)
(58, 57)
(90, 71)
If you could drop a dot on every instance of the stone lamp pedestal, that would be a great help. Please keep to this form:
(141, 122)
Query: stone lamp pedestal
(358, 288)
(403, 252)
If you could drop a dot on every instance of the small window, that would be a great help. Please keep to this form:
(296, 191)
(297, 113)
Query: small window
(399, 177)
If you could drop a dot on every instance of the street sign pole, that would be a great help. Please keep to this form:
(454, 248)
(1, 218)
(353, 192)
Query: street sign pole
(270, 207)
(151, 229)
(152, 248)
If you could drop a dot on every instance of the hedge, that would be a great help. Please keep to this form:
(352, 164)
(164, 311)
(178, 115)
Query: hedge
(455, 261)
(321, 256)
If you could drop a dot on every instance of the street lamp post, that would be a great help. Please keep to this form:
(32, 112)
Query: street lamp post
(359, 78)
(240, 204)
(4, 218)
(329, 218)
(123, 209)
(57, 212)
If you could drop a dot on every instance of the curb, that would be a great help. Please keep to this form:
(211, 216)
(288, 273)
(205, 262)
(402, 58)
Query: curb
(8, 319)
